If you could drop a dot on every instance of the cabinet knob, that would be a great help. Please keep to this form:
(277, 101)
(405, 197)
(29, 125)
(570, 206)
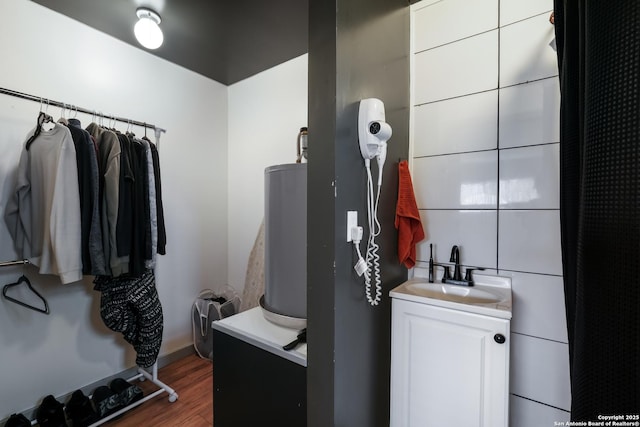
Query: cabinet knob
(499, 338)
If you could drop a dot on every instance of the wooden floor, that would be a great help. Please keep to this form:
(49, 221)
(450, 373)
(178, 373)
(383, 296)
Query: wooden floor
(192, 378)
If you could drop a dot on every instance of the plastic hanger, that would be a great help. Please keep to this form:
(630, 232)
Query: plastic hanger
(23, 279)
(63, 115)
(43, 118)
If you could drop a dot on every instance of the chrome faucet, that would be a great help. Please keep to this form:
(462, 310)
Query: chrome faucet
(455, 258)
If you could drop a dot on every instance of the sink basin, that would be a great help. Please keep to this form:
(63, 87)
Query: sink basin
(491, 295)
(454, 293)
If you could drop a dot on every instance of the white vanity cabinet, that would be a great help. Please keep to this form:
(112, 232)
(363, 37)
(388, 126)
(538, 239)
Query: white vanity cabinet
(449, 367)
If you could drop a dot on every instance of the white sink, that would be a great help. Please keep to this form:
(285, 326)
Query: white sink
(463, 294)
(491, 295)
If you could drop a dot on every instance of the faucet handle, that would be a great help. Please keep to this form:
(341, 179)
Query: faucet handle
(467, 273)
(446, 275)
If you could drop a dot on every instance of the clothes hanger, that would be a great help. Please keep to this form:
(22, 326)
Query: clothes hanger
(111, 123)
(73, 120)
(43, 118)
(63, 115)
(23, 279)
(129, 132)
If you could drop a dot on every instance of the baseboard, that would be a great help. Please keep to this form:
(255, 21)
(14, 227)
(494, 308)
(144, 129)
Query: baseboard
(127, 373)
(181, 353)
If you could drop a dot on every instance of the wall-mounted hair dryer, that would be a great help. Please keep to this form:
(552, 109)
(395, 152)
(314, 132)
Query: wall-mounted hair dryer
(373, 134)
(373, 131)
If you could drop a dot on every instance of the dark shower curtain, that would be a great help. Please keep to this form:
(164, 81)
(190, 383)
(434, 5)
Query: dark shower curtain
(599, 62)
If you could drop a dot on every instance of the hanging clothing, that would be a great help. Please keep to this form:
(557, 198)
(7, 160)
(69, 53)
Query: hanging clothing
(93, 261)
(133, 209)
(142, 219)
(162, 235)
(109, 163)
(124, 226)
(152, 249)
(43, 214)
(140, 209)
(130, 305)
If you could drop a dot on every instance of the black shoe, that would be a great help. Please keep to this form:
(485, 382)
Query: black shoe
(127, 392)
(50, 413)
(79, 410)
(105, 401)
(17, 420)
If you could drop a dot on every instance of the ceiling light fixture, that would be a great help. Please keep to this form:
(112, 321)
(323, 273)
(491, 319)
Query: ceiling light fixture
(147, 29)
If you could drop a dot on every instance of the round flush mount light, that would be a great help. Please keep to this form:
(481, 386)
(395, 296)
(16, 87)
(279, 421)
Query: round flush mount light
(147, 29)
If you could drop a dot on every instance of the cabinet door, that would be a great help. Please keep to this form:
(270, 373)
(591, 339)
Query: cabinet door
(446, 368)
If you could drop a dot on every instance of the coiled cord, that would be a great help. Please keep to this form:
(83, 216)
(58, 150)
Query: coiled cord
(372, 258)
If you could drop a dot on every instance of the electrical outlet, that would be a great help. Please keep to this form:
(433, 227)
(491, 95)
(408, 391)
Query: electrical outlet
(352, 222)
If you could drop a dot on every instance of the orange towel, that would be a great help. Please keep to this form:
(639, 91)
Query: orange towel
(407, 220)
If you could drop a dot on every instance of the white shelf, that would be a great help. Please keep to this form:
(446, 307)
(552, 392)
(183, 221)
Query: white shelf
(251, 327)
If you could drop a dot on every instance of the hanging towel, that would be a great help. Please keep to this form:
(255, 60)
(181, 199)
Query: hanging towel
(407, 220)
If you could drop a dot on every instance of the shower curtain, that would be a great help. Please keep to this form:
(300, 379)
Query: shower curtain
(599, 65)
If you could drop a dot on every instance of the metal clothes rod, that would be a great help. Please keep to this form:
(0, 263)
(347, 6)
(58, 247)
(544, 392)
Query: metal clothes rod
(17, 262)
(71, 107)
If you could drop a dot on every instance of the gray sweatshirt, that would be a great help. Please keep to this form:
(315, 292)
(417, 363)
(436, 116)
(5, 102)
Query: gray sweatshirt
(43, 214)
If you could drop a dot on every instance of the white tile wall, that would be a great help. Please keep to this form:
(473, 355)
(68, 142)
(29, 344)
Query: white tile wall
(455, 113)
(456, 181)
(460, 68)
(540, 370)
(516, 10)
(526, 413)
(538, 305)
(529, 113)
(473, 231)
(529, 241)
(450, 20)
(468, 123)
(525, 53)
(530, 177)
(424, 3)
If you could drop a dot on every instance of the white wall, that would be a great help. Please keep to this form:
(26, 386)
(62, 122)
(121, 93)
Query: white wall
(47, 54)
(486, 172)
(266, 112)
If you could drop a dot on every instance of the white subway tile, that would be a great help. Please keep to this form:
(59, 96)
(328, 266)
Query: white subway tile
(530, 113)
(540, 370)
(460, 68)
(468, 123)
(457, 181)
(538, 305)
(529, 241)
(423, 3)
(516, 10)
(530, 177)
(473, 231)
(525, 51)
(450, 20)
(525, 413)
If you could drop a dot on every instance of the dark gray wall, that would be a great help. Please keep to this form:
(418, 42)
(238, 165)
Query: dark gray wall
(357, 49)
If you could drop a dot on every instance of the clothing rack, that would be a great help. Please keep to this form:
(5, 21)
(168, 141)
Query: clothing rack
(12, 263)
(74, 108)
(142, 374)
